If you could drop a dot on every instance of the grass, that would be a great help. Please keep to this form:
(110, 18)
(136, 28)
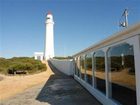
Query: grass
(21, 63)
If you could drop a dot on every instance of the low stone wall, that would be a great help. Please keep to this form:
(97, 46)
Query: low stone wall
(65, 66)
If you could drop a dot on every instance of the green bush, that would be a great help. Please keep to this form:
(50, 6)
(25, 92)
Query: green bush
(61, 58)
(22, 64)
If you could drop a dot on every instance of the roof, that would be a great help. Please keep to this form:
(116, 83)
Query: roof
(123, 34)
(49, 13)
(38, 53)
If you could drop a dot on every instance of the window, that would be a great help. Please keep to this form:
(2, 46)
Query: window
(82, 66)
(122, 74)
(75, 66)
(99, 72)
(78, 66)
(89, 68)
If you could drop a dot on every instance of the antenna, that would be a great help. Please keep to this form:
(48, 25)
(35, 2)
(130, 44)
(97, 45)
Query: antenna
(124, 16)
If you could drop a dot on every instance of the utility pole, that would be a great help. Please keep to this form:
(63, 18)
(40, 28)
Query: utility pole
(124, 16)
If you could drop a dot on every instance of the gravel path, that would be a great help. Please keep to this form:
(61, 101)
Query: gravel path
(59, 89)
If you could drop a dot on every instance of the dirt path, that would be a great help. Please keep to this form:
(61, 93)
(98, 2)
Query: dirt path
(59, 89)
(1, 78)
(12, 85)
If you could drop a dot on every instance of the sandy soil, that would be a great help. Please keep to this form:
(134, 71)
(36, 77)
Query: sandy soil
(12, 85)
(59, 89)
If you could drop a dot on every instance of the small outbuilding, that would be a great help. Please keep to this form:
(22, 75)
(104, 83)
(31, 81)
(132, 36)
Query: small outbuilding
(39, 55)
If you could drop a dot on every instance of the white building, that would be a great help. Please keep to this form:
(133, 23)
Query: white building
(39, 55)
(49, 40)
(110, 70)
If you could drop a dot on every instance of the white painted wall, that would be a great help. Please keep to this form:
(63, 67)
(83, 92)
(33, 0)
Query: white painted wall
(129, 35)
(40, 54)
(65, 66)
(136, 44)
(49, 40)
(104, 99)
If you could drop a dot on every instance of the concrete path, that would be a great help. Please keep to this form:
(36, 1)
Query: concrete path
(58, 90)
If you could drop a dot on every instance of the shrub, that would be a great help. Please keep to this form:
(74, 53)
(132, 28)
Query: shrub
(21, 64)
(61, 58)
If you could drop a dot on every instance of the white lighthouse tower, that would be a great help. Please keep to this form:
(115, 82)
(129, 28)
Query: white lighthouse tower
(49, 39)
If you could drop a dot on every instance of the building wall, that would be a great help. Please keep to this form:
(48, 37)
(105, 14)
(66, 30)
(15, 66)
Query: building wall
(137, 65)
(129, 37)
(39, 56)
(65, 66)
(49, 38)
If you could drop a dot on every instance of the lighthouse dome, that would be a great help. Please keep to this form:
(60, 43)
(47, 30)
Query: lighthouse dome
(49, 18)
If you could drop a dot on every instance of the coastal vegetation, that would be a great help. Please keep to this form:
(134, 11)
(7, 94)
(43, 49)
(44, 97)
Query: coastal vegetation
(63, 58)
(21, 65)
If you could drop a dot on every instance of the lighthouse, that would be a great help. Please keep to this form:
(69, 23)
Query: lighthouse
(49, 37)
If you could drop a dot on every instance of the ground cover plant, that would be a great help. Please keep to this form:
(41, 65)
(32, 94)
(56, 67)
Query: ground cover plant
(63, 58)
(24, 64)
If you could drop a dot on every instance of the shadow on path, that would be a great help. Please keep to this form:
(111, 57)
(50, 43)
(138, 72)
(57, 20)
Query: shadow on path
(61, 89)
